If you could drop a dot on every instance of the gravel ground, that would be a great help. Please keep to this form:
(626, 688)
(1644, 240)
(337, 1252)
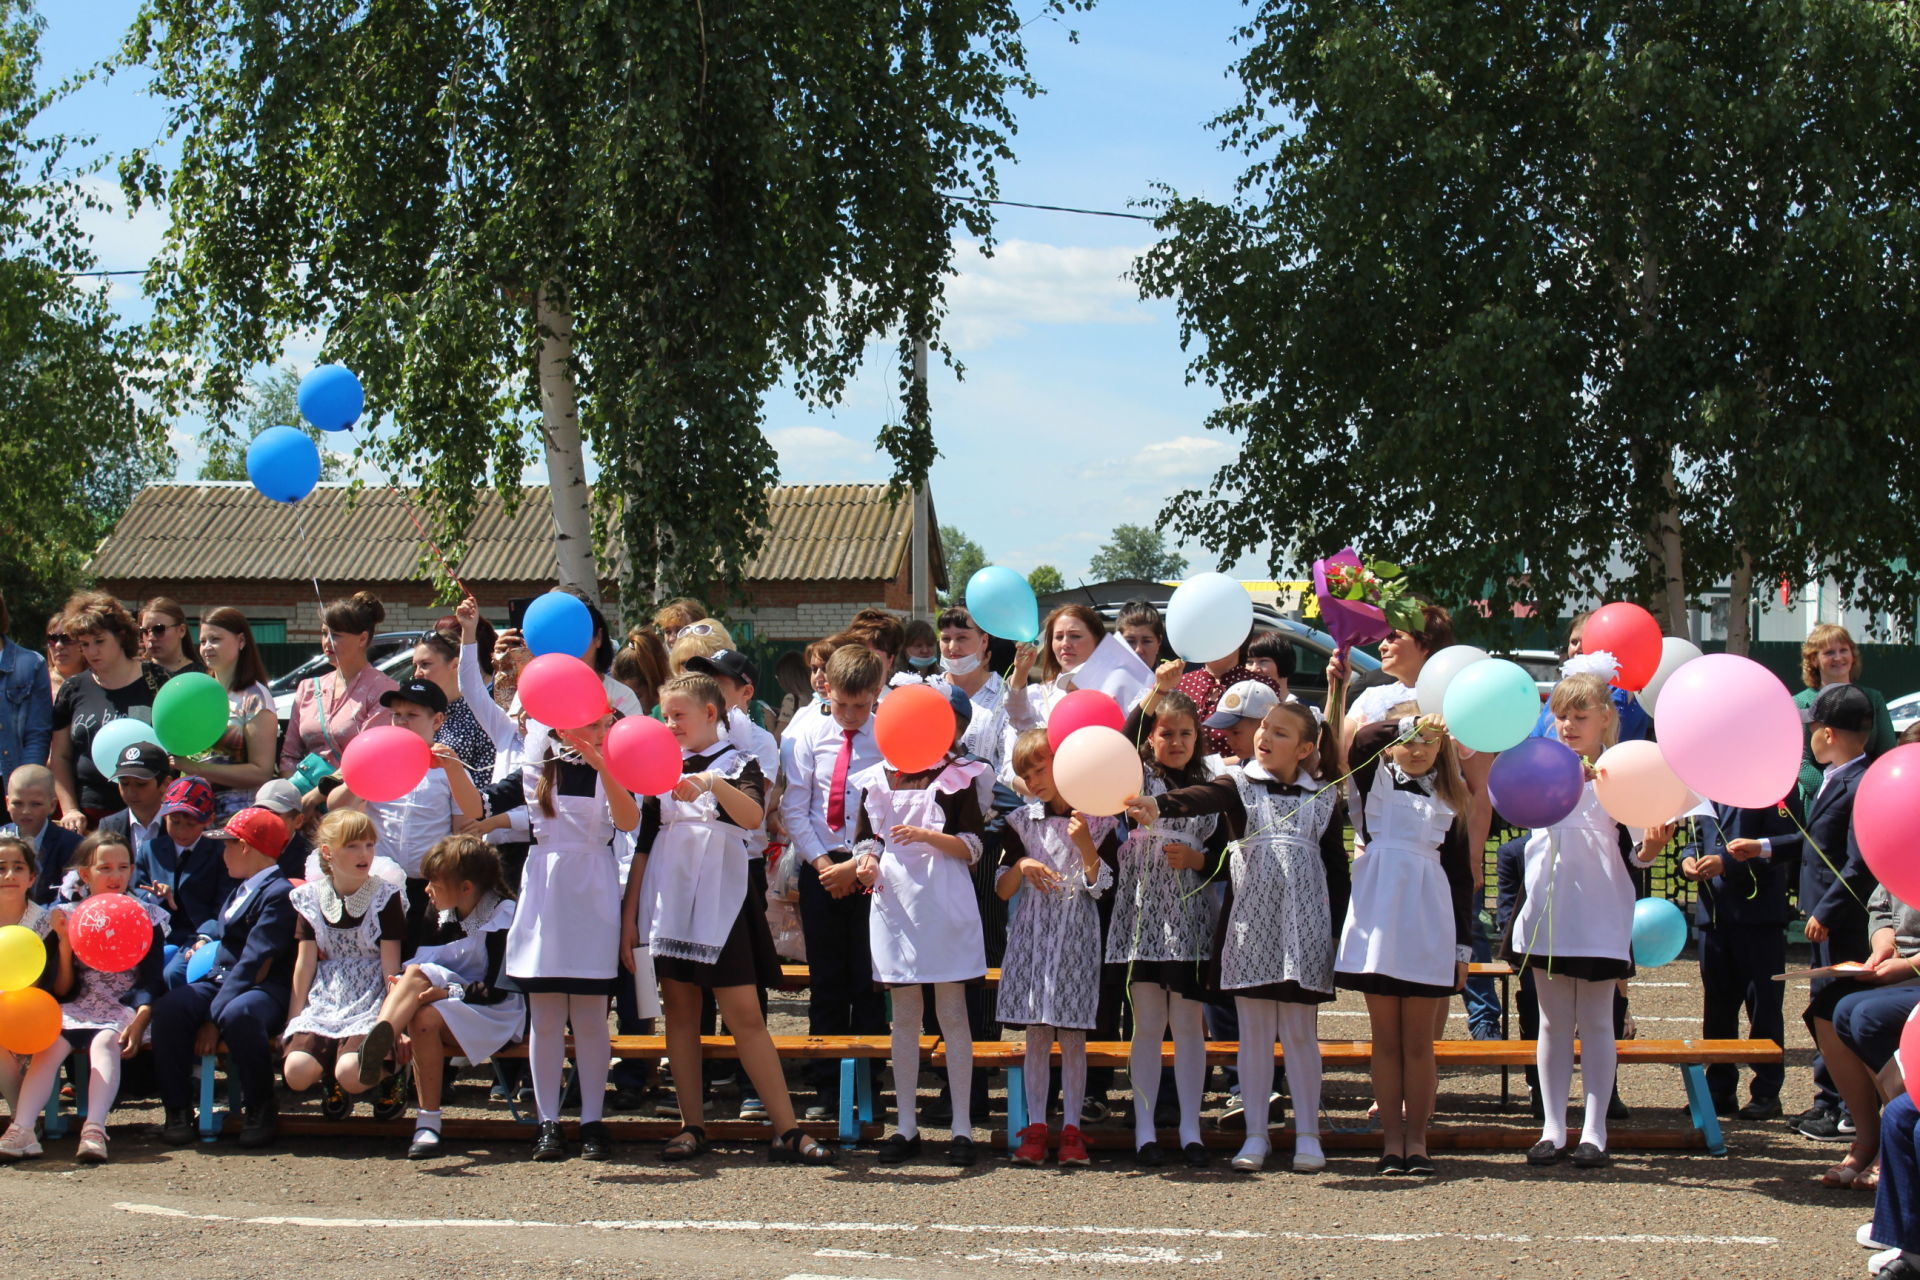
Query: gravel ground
(353, 1207)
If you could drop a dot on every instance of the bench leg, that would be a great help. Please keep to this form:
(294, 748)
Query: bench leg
(863, 1080)
(209, 1123)
(849, 1103)
(1700, 1102)
(1506, 1073)
(1016, 1105)
(55, 1123)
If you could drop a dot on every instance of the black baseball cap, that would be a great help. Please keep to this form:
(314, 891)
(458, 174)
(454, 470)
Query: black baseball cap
(1843, 707)
(141, 760)
(422, 693)
(730, 663)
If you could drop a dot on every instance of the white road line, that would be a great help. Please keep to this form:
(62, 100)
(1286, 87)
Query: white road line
(1505, 1237)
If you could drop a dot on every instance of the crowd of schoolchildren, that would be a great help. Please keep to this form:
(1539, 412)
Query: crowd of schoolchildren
(518, 891)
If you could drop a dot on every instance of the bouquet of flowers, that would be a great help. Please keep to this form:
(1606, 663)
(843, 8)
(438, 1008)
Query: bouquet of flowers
(1362, 600)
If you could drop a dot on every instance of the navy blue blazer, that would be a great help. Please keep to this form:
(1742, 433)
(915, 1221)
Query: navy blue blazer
(56, 851)
(254, 934)
(1754, 891)
(197, 875)
(1835, 881)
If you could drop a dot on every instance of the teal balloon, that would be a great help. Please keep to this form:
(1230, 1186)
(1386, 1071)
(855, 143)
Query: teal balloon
(1491, 705)
(1003, 604)
(114, 737)
(190, 713)
(1659, 932)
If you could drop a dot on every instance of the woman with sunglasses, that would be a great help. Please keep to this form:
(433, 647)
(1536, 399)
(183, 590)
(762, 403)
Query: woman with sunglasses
(63, 655)
(163, 637)
(115, 684)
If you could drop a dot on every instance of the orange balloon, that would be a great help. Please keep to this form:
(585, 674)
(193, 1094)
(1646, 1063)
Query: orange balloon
(914, 727)
(29, 1021)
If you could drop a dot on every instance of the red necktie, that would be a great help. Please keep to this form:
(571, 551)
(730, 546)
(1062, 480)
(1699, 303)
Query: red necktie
(837, 800)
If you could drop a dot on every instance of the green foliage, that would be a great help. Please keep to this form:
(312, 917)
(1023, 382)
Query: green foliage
(75, 443)
(964, 558)
(714, 196)
(1044, 579)
(1555, 284)
(275, 403)
(1136, 551)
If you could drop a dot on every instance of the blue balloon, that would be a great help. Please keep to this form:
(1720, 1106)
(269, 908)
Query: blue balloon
(114, 737)
(283, 463)
(1536, 783)
(1002, 603)
(331, 398)
(1659, 932)
(200, 963)
(557, 623)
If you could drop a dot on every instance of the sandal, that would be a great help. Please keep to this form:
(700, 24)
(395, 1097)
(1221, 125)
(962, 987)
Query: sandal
(1841, 1175)
(688, 1143)
(787, 1149)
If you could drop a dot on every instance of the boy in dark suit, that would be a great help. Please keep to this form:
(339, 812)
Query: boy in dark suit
(184, 868)
(244, 999)
(1742, 916)
(30, 803)
(1835, 881)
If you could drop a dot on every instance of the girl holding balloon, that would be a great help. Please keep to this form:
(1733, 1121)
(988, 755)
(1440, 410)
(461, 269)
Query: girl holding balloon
(17, 910)
(104, 1013)
(1573, 927)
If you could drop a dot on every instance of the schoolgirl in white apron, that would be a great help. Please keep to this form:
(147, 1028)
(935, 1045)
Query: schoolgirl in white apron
(916, 840)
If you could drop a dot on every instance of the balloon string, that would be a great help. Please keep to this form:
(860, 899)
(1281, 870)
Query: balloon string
(1815, 846)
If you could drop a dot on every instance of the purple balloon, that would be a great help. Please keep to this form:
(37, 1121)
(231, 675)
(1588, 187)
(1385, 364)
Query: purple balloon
(1536, 783)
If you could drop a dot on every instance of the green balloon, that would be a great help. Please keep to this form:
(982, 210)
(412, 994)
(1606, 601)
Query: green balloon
(190, 713)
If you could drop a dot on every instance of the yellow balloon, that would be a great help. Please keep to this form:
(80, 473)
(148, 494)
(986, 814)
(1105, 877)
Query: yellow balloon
(22, 957)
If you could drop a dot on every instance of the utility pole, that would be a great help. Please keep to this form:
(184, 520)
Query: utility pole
(922, 560)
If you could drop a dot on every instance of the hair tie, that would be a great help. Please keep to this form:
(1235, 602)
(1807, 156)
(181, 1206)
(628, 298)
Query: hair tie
(1598, 663)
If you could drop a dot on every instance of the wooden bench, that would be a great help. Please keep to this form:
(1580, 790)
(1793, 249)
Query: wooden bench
(1690, 1056)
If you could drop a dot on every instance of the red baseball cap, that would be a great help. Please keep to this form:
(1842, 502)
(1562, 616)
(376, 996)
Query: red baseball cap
(259, 829)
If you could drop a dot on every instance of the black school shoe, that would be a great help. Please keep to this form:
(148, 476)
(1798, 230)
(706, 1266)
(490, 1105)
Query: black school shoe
(961, 1153)
(1761, 1109)
(1726, 1108)
(1196, 1155)
(426, 1144)
(548, 1143)
(899, 1150)
(260, 1125)
(1420, 1166)
(1543, 1153)
(1391, 1166)
(1588, 1156)
(595, 1142)
(1149, 1156)
(179, 1128)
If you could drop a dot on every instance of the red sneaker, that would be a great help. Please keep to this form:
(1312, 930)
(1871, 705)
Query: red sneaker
(1033, 1145)
(1073, 1147)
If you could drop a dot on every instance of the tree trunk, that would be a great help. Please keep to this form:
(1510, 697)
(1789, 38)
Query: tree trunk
(1740, 605)
(1670, 558)
(566, 460)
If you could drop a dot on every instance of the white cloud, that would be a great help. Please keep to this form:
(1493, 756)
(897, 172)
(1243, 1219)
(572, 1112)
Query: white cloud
(818, 455)
(122, 240)
(1027, 283)
(1183, 458)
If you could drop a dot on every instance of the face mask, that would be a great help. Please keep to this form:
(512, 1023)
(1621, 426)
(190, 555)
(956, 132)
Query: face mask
(961, 666)
(921, 664)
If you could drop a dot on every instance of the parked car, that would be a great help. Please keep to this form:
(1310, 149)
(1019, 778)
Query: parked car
(390, 651)
(1904, 710)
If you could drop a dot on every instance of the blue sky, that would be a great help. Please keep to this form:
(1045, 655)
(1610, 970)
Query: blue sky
(1074, 414)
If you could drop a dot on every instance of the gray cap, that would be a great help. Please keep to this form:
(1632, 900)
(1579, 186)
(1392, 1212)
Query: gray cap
(278, 795)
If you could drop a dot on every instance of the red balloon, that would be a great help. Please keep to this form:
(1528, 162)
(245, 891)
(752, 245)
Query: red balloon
(29, 1020)
(1886, 813)
(110, 932)
(385, 762)
(1079, 709)
(562, 692)
(914, 727)
(1631, 635)
(643, 755)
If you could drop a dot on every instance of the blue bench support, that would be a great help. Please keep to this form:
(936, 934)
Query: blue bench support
(1700, 1105)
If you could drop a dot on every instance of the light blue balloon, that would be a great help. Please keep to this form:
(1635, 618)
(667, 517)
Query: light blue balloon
(283, 463)
(1491, 705)
(114, 737)
(1659, 932)
(200, 963)
(1209, 617)
(557, 623)
(331, 398)
(1003, 604)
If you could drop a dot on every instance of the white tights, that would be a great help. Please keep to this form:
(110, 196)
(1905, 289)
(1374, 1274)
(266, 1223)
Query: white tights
(1073, 1072)
(1296, 1026)
(547, 1051)
(43, 1075)
(1154, 1008)
(909, 1014)
(1568, 1007)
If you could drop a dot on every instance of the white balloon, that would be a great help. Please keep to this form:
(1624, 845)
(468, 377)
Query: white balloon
(1209, 617)
(1430, 690)
(1674, 654)
(1097, 770)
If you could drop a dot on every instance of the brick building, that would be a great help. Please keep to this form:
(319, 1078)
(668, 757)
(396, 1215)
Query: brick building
(829, 551)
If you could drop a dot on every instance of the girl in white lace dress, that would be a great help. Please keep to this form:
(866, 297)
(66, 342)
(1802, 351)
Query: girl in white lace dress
(18, 867)
(1050, 975)
(1275, 944)
(351, 922)
(1161, 933)
(103, 1015)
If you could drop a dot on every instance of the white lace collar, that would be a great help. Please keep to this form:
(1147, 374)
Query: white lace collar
(1423, 783)
(337, 909)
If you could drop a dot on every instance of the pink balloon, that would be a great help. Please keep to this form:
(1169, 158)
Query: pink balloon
(1097, 770)
(1637, 786)
(643, 755)
(1079, 709)
(1886, 813)
(1910, 1050)
(385, 763)
(562, 692)
(1730, 730)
